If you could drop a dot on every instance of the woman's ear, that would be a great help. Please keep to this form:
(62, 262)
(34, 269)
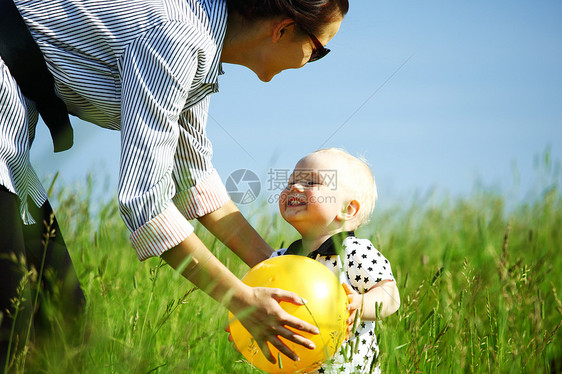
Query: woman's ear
(350, 210)
(280, 28)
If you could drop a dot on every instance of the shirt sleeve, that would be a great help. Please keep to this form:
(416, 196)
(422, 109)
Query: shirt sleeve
(365, 265)
(157, 71)
(199, 187)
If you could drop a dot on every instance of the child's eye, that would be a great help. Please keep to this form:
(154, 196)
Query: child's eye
(303, 183)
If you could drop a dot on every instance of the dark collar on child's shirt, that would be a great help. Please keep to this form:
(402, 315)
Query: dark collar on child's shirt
(329, 248)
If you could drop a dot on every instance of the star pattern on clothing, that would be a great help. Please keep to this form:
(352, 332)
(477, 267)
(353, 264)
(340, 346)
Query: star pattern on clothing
(364, 267)
(359, 264)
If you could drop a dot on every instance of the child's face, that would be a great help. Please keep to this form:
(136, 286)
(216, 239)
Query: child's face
(314, 201)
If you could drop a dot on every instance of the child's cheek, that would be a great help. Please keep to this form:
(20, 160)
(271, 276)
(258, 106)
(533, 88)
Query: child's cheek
(282, 200)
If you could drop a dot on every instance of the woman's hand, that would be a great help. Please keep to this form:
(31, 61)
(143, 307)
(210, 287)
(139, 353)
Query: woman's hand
(354, 305)
(257, 308)
(266, 321)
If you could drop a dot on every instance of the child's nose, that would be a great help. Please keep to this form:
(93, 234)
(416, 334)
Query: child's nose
(297, 187)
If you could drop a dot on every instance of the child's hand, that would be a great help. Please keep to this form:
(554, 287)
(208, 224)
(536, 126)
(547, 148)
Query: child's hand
(354, 301)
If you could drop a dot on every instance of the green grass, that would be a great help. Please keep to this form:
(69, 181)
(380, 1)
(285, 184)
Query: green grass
(480, 290)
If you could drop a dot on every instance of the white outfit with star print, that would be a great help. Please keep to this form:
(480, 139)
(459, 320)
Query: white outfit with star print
(363, 267)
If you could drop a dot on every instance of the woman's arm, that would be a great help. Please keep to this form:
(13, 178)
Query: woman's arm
(231, 228)
(266, 320)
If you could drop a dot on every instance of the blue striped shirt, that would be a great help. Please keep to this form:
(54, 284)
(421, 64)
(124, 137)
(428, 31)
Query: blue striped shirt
(145, 68)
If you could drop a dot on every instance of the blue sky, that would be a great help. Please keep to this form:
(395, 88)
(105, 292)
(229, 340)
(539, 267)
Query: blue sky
(437, 95)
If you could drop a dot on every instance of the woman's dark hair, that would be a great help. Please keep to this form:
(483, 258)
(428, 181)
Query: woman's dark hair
(309, 15)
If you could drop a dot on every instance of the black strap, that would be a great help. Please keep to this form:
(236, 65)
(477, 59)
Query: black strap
(331, 246)
(25, 61)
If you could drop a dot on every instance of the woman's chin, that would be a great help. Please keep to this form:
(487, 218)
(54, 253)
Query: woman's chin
(266, 78)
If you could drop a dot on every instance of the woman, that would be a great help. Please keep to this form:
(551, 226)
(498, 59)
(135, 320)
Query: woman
(147, 68)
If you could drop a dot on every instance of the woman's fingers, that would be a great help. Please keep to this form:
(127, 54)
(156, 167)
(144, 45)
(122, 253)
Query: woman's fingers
(290, 320)
(278, 343)
(273, 338)
(288, 296)
(265, 350)
(282, 347)
(294, 337)
(298, 324)
(286, 320)
(267, 322)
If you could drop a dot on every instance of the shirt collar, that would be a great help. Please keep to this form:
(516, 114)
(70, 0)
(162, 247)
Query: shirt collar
(330, 247)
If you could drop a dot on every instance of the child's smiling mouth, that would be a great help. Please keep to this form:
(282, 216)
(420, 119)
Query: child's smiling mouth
(296, 200)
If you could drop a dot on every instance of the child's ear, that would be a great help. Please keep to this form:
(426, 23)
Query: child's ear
(350, 210)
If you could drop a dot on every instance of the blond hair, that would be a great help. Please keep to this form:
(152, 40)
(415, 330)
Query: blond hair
(360, 183)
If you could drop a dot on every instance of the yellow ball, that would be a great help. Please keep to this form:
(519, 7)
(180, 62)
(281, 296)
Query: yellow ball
(326, 308)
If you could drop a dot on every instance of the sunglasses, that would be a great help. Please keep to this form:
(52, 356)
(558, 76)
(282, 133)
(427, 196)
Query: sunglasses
(319, 50)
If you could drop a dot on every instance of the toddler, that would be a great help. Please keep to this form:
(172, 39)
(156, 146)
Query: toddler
(329, 195)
